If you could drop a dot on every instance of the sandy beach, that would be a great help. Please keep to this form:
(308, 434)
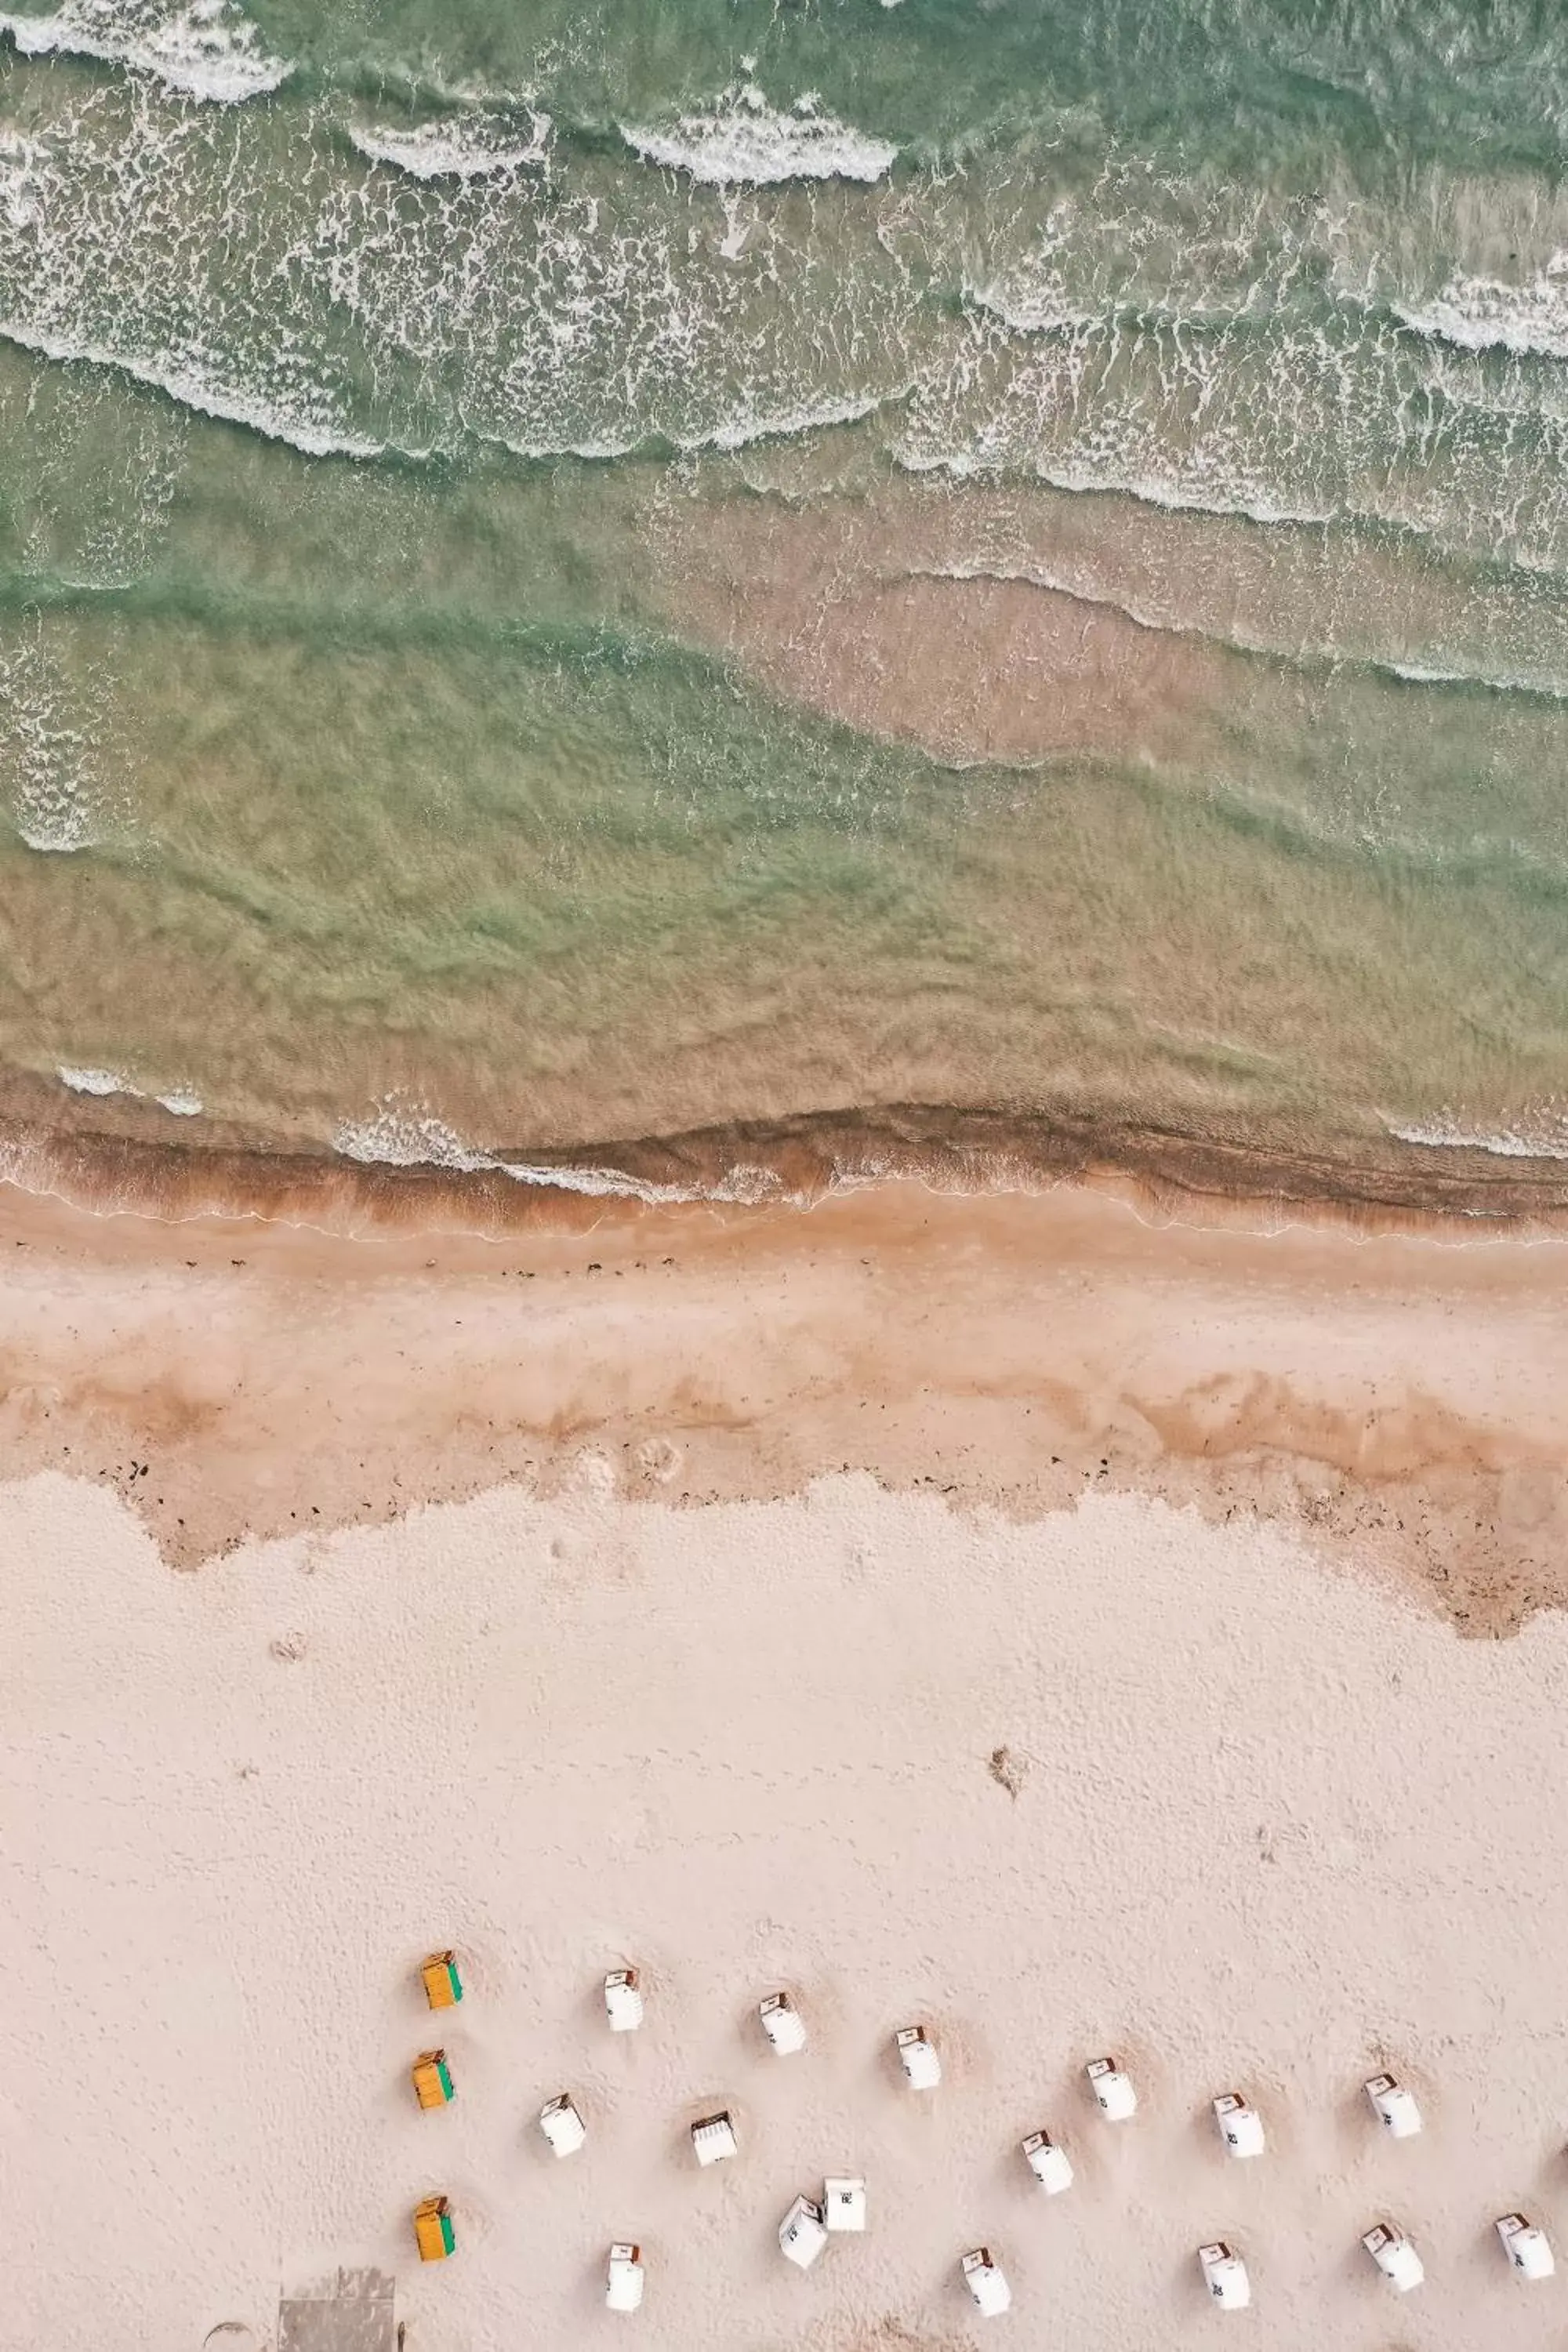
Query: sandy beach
(1021, 1615)
(1402, 1396)
(784, 1166)
(1273, 1827)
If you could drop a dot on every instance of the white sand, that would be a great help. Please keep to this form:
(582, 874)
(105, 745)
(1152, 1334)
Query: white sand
(1279, 1826)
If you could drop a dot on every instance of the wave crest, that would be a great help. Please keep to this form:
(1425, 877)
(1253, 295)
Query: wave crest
(203, 49)
(183, 1101)
(401, 1135)
(458, 146)
(742, 141)
(1537, 1134)
(1482, 314)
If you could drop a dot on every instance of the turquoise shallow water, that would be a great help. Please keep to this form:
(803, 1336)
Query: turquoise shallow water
(575, 575)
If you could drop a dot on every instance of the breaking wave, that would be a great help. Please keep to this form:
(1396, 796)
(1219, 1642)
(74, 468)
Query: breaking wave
(203, 49)
(1539, 1134)
(1486, 314)
(401, 1136)
(306, 426)
(744, 141)
(180, 1100)
(458, 146)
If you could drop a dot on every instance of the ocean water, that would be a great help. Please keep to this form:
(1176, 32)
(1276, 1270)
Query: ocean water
(571, 575)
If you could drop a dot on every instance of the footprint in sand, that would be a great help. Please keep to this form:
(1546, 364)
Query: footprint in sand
(656, 1457)
(593, 1474)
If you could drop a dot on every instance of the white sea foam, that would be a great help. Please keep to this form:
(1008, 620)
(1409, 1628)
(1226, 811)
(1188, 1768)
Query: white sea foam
(1497, 682)
(1167, 491)
(1486, 314)
(204, 48)
(744, 141)
(180, 1100)
(729, 434)
(482, 303)
(1538, 1134)
(555, 330)
(400, 1135)
(466, 146)
(736, 431)
(21, 180)
(232, 404)
(1030, 296)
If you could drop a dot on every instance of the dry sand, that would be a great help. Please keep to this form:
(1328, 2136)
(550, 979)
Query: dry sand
(1276, 1825)
(1188, 1522)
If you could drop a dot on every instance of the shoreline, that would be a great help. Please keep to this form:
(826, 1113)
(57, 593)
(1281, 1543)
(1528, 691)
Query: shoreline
(109, 1157)
(1401, 1398)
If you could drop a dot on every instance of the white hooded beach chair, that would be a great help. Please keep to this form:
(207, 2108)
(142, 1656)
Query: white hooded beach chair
(1224, 2276)
(1527, 2247)
(1395, 2255)
(623, 2000)
(1240, 2127)
(802, 2233)
(1113, 2091)
(917, 2056)
(1393, 2106)
(1048, 2163)
(843, 2202)
(985, 2282)
(713, 2139)
(562, 2125)
(623, 2287)
(783, 2024)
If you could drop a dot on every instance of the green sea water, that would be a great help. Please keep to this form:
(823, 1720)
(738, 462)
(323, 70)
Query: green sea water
(576, 575)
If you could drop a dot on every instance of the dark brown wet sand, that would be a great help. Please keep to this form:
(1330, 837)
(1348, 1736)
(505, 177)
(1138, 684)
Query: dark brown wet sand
(1405, 1393)
(117, 1152)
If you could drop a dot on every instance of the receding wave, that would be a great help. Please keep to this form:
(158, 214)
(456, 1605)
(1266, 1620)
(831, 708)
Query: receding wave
(400, 1136)
(742, 141)
(203, 49)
